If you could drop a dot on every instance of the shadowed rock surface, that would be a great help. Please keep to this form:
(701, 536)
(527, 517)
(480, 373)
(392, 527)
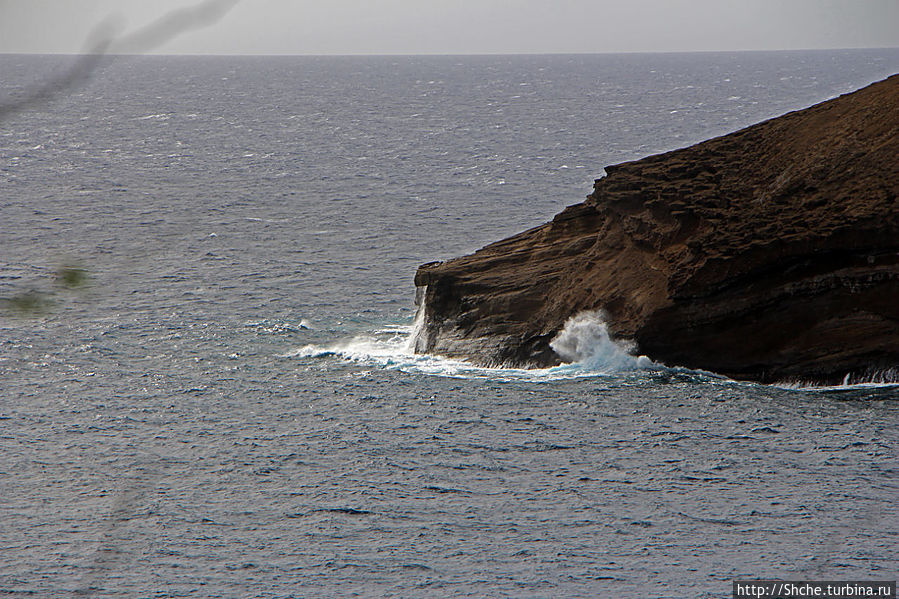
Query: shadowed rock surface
(771, 253)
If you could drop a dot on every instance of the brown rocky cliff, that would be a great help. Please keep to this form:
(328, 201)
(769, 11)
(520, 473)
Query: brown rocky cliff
(770, 253)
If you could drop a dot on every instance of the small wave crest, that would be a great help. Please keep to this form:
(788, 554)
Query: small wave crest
(875, 379)
(277, 326)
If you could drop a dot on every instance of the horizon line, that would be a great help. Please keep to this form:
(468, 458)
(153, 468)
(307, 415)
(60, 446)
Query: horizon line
(447, 54)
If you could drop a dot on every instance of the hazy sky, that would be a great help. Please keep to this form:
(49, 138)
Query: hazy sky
(467, 26)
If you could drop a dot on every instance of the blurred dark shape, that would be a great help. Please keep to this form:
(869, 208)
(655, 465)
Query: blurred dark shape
(30, 303)
(172, 24)
(102, 41)
(69, 276)
(75, 76)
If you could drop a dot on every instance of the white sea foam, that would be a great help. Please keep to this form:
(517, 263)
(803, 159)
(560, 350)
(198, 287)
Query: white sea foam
(417, 341)
(812, 386)
(584, 342)
(875, 380)
(393, 353)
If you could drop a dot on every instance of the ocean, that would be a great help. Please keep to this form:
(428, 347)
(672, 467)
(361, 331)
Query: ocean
(206, 267)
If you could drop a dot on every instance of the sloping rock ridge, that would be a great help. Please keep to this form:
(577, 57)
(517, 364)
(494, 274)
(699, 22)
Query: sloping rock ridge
(768, 254)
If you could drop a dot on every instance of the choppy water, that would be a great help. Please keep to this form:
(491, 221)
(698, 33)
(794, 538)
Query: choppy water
(228, 409)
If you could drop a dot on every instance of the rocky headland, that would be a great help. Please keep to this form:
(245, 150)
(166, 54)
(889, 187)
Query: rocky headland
(768, 254)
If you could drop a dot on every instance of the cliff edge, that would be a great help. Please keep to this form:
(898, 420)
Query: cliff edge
(771, 253)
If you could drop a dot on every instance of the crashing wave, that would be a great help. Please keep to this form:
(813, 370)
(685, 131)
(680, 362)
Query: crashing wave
(585, 340)
(584, 343)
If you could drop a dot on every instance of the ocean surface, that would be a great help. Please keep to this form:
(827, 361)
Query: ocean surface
(205, 388)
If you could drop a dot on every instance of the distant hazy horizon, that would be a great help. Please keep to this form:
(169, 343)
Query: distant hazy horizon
(463, 27)
(468, 54)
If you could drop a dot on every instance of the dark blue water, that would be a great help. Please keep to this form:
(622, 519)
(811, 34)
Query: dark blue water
(226, 408)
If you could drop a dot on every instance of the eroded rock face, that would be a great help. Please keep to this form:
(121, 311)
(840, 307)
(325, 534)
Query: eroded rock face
(768, 254)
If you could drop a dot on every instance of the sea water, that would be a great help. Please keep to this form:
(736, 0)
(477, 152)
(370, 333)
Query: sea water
(224, 402)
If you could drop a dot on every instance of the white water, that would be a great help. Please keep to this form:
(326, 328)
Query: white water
(417, 341)
(585, 340)
(876, 380)
(584, 343)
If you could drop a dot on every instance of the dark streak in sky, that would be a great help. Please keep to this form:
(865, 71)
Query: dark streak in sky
(101, 41)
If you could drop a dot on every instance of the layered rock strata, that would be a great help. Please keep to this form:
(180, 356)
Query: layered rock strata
(771, 253)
